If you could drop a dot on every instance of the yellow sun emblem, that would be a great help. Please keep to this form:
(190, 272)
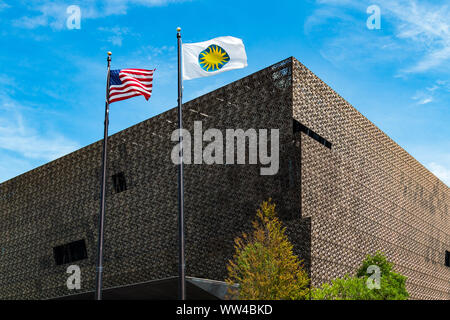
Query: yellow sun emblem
(213, 58)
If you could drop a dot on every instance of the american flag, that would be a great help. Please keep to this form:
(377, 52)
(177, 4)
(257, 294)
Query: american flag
(128, 83)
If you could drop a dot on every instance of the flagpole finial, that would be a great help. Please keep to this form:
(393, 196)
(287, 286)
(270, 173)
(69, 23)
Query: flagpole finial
(109, 53)
(178, 29)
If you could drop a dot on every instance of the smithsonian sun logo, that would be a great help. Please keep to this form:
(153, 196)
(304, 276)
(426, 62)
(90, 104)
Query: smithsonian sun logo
(213, 58)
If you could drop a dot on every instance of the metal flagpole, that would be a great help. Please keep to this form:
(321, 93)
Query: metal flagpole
(182, 264)
(98, 288)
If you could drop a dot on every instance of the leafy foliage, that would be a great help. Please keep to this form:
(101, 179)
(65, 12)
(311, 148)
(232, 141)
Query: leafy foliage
(264, 266)
(392, 284)
(346, 288)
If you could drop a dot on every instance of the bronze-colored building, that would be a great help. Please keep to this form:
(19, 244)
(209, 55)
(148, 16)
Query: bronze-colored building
(344, 189)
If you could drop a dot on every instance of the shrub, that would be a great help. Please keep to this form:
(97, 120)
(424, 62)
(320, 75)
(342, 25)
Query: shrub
(392, 284)
(264, 266)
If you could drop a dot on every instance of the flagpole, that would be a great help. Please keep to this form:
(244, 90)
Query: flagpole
(182, 263)
(99, 278)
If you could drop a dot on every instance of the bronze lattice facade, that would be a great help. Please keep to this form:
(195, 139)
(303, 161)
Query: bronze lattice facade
(344, 189)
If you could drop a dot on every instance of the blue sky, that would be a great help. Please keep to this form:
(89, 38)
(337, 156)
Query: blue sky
(53, 79)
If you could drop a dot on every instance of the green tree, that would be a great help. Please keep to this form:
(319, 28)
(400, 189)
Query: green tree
(264, 266)
(346, 288)
(391, 284)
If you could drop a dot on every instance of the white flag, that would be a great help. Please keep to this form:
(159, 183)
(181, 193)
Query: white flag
(204, 59)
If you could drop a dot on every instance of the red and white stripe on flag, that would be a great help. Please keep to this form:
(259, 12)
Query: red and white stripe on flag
(128, 83)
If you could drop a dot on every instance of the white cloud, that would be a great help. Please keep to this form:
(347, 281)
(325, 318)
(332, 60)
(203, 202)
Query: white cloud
(53, 13)
(440, 171)
(432, 93)
(423, 97)
(11, 166)
(326, 15)
(426, 100)
(31, 22)
(116, 34)
(15, 136)
(3, 5)
(21, 137)
(422, 29)
(425, 25)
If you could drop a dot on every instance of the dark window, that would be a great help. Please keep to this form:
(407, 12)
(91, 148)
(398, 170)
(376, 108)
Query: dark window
(70, 252)
(298, 127)
(119, 181)
(447, 258)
